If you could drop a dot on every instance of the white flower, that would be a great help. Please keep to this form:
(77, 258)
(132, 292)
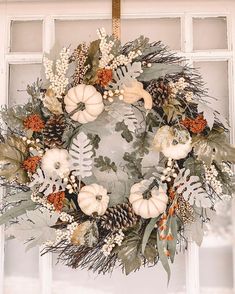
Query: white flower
(56, 161)
(172, 142)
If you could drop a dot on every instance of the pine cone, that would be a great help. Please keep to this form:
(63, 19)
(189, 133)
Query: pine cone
(159, 90)
(185, 210)
(119, 217)
(53, 131)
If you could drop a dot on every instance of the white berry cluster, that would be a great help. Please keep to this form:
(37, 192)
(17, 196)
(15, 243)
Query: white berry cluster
(125, 59)
(170, 171)
(112, 241)
(111, 94)
(227, 169)
(42, 200)
(108, 60)
(180, 86)
(66, 234)
(211, 178)
(34, 145)
(105, 48)
(58, 79)
(71, 184)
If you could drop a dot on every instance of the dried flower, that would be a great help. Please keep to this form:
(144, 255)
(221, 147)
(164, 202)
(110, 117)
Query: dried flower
(52, 103)
(30, 164)
(196, 125)
(57, 199)
(34, 123)
(104, 76)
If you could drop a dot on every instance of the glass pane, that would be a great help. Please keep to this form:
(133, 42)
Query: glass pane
(146, 280)
(215, 74)
(73, 32)
(167, 30)
(21, 75)
(210, 33)
(216, 266)
(26, 36)
(18, 262)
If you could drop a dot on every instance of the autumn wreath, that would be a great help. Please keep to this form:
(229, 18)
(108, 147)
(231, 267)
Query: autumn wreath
(114, 158)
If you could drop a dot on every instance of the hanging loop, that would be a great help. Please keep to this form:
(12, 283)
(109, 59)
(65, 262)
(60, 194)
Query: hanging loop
(116, 18)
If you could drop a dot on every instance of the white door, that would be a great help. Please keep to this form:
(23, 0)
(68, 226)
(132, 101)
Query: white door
(198, 30)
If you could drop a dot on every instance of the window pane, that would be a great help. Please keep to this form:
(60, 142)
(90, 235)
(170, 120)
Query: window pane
(210, 33)
(215, 74)
(166, 30)
(21, 75)
(26, 36)
(20, 263)
(73, 32)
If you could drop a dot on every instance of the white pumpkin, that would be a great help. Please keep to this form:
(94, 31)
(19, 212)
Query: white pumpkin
(151, 207)
(84, 103)
(93, 199)
(173, 143)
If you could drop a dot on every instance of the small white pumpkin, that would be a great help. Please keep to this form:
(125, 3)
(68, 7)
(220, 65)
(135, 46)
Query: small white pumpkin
(93, 199)
(173, 142)
(84, 103)
(151, 207)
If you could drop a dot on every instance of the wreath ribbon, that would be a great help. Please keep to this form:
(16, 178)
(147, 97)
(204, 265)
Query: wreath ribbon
(116, 18)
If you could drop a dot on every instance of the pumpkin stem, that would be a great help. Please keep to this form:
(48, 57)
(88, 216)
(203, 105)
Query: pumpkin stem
(80, 107)
(147, 193)
(99, 197)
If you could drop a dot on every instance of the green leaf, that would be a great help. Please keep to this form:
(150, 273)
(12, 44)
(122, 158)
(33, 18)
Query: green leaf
(158, 70)
(133, 164)
(215, 146)
(163, 258)
(95, 140)
(148, 230)
(129, 252)
(17, 197)
(12, 154)
(93, 62)
(142, 144)
(17, 211)
(105, 164)
(125, 133)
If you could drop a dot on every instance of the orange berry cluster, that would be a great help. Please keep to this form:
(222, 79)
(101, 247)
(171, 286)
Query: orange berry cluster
(196, 125)
(34, 123)
(57, 199)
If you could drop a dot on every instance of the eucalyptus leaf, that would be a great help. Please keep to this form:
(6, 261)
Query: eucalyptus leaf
(158, 70)
(17, 197)
(148, 230)
(163, 258)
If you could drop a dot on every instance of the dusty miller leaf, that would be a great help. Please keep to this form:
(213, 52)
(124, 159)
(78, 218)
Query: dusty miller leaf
(17, 211)
(215, 146)
(191, 189)
(47, 183)
(34, 227)
(124, 74)
(81, 153)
